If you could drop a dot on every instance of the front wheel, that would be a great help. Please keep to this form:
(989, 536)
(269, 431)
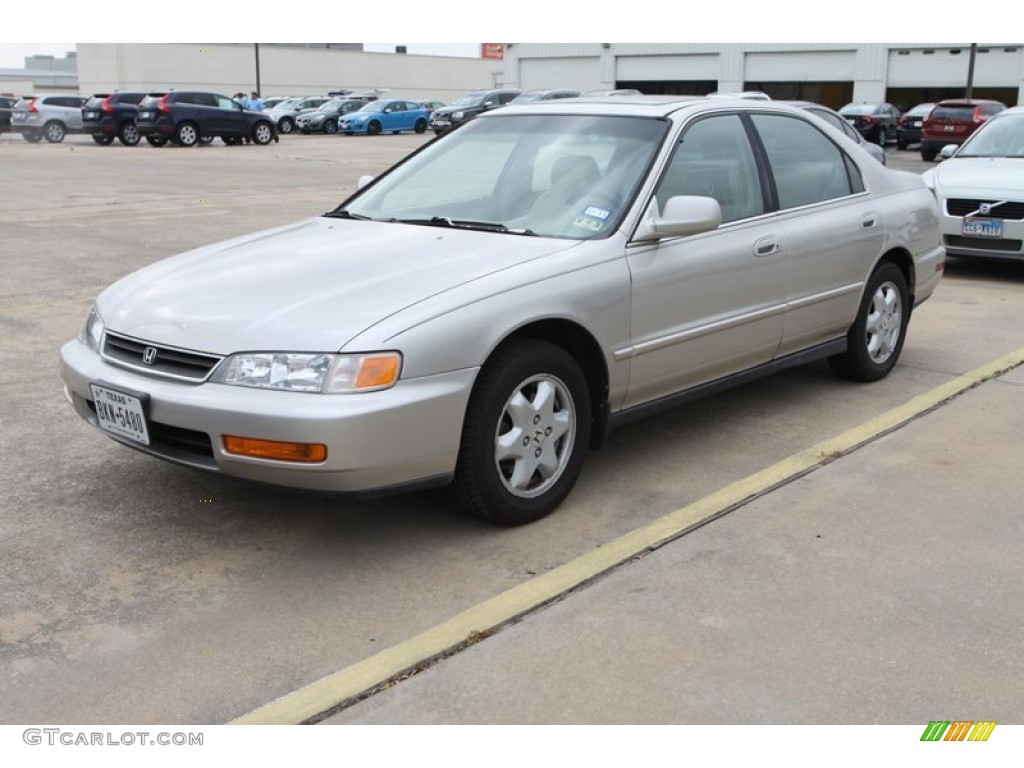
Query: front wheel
(330, 126)
(373, 128)
(875, 340)
(31, 138)
(287, 125)
(187, 134)
(525, 435)
(928, 155)
(54, 132)
(262, 133)
(129, 134)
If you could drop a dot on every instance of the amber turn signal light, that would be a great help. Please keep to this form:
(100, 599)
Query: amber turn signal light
(275, 449)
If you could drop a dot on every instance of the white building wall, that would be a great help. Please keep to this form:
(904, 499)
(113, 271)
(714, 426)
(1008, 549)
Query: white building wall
(229, 68)
(871, 67)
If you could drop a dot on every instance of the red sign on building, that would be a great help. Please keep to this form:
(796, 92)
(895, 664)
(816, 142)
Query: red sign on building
(492, 51)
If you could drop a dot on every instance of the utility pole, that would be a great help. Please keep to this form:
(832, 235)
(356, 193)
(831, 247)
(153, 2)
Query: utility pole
(259, 90)
(970, 70)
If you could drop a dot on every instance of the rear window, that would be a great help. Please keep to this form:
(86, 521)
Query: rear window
(96, 102)
(953, 112)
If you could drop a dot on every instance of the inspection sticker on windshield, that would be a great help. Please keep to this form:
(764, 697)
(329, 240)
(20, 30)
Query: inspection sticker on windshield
(120, 413)
(592, 218)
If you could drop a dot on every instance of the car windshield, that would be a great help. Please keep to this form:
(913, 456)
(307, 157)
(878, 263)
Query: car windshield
(1002, 137)
(568, 176)
(859, 109)
(470, 100)
(920, 110)
(331, 107)
(373, 106)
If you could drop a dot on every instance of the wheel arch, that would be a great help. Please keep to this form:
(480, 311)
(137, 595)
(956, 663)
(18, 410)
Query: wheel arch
(901, 258)
(581, 345)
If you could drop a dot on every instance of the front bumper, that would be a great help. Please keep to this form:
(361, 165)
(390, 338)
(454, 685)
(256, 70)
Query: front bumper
(1009, 246)
(405, 435)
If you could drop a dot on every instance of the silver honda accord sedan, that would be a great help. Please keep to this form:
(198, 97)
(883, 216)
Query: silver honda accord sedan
(482, 314)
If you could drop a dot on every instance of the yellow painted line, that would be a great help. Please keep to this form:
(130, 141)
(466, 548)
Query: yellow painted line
(332, 693)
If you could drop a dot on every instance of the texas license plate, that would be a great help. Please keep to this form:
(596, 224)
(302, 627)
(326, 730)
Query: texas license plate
(983, 227)
(120, 414)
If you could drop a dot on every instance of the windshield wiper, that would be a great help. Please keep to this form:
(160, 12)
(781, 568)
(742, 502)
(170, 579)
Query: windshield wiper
(341, 213)
(482, 226)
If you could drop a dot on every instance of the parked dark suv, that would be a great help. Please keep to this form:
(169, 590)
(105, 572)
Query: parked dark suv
(109, 116)
(951, 121)
(875, 122)
(468, 107)
(6, 107)
(188, 117)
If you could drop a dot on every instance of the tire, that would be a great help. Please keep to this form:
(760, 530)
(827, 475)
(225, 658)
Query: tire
(103, 141)
(32, 138)
(900, 144)
(128, 134)
(156, 141)
(373, 128)
(187, 134)
(875, 340)
(54, 132)
(231, 141)
(286, 125)
(330, 126)
(525, 435)
(438, 132)
(421, 126)
(262, 133)
(928, 155)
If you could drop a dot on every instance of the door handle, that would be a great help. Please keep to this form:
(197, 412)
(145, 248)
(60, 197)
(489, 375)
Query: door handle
(868, 220)
(766, 246)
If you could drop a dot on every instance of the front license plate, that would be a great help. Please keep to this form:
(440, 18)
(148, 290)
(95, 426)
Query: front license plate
(983, 227)
(120, 414)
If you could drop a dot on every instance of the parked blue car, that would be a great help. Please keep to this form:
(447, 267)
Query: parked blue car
(393, 115)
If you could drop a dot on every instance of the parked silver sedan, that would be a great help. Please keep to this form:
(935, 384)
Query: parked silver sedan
(980, 190)
(488, 309)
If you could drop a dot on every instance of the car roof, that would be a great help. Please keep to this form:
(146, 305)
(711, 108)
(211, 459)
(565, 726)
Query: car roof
(640, 106)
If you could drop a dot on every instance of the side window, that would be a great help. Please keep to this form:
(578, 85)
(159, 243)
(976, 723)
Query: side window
(223, 102)
(714, 159)
(807, 167)
(505, 98)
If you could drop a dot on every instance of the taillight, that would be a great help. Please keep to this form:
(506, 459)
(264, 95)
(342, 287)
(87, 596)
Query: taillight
(162, 105)
(32, 106)
(107, 107)
(869, 120)
(977, 116)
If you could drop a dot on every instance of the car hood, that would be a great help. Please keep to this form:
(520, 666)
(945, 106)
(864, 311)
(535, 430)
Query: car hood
(981, 176)
(307, 287)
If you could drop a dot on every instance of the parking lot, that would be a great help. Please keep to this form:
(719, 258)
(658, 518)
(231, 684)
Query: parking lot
(883, 587)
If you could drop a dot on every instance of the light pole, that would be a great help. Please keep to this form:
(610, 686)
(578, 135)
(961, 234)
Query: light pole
(256, 47)
(970, 70)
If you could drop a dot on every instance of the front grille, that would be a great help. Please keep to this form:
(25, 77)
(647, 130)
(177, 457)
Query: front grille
(173, 441)
(1010, 211)
(166, 362)
(983, 243)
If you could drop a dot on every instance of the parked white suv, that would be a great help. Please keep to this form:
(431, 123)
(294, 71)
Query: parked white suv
(49, 116)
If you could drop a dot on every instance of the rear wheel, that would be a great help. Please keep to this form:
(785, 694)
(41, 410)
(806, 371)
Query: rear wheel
(156, 141)
(262, 133)
(54, 132)
(928, 155)
(103, 141)
(128, 134)
(187, 134)
(421, 126)
(525, 435)
(875, 340)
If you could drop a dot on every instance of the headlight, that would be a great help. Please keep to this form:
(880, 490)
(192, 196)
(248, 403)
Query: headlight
(457, 115)
(92, 332)
(304, 372)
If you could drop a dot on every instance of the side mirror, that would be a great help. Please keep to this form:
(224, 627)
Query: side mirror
(948, 151)
(363, 181)
(683, 215)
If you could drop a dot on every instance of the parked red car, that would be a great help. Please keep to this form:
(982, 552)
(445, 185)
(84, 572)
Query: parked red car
(951, 121)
